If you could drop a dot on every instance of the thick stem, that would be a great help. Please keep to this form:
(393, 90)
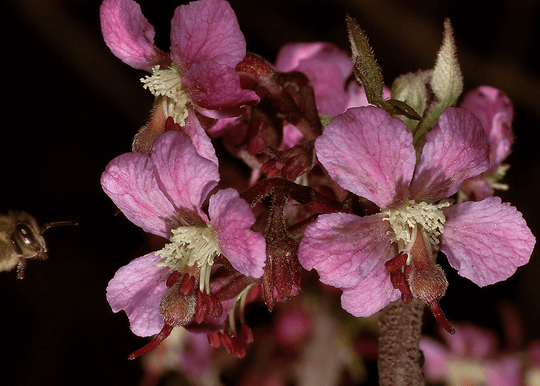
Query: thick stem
(400, 356)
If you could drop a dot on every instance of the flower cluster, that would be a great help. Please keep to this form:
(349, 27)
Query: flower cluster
(365, 184)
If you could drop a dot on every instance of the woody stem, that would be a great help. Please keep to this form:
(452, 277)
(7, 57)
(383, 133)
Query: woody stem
(399, 344)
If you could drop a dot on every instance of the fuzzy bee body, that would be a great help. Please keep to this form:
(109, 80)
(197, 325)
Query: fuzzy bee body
(21, 239)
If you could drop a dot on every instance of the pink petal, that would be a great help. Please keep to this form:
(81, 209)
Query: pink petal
(368, 153)
(500, 140)
(196, 356)
(232, 219)
(486, 241)
(476, 188)
(455, 150)
(328, 85)
(128, 34)
(130, 181)
(471, 341)
(506, 371)
(345, 248)
(495, 111)
(185, 177)
(371, 295)
(212, 86)
(199, 138)
(137, 288)
(436, 359)
(291, 136)
(327, 67)
(291, 56)
(357, 95)
(206, 30)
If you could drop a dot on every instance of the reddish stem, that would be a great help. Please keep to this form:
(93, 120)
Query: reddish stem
(163, 334)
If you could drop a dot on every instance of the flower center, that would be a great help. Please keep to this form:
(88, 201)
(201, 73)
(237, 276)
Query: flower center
(192, 246)
(465, 371)
(405, 218)
(168, 83)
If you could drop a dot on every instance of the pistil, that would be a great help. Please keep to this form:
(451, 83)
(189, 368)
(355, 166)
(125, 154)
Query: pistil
(427, 280)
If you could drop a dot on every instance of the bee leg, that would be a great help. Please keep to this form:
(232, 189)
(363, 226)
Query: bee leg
(20, 268)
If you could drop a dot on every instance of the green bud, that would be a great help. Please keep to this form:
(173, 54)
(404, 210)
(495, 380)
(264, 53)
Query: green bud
(368, 73)
(411, 89)
(446, 82)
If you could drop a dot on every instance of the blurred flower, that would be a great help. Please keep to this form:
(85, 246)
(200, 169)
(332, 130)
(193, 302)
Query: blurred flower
(496, 113)
(469, 358)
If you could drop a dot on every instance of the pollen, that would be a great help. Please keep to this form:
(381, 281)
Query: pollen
(189, 248)
(167, 83)
(410, 214)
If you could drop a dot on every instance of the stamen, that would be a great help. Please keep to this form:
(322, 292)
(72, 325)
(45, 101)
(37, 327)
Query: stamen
(191, 246)
(213, 339)
(173, 278)
(207, 304)
(200, 308)
(187, 284)
(167, 83)
(396, 262)
(411, 214)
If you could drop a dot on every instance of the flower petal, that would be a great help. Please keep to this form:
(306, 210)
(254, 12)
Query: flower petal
(345, 248)
(291, 56)
(495, 111)
(130, 181)
(137, 288)
(371, 295)
(328, 85)
(437, 358)
(128, 34)
(206, 30)
(368, 153)
(486, 241)
(476, 188)
(232, 219)
(471, 341)
(455, 150)
(212, 86)
(327, 67)
(185, 177)
(199, 138)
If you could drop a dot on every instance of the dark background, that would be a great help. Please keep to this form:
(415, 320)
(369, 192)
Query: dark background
(69, 107)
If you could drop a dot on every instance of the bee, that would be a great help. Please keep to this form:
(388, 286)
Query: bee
(21, 239)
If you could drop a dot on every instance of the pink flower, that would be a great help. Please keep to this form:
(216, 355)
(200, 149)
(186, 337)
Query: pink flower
(199, 73)
(469, 358)
(371, 154)
(163, 193)
(496, 113)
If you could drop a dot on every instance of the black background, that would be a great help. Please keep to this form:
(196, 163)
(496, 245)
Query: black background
(69, 107)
